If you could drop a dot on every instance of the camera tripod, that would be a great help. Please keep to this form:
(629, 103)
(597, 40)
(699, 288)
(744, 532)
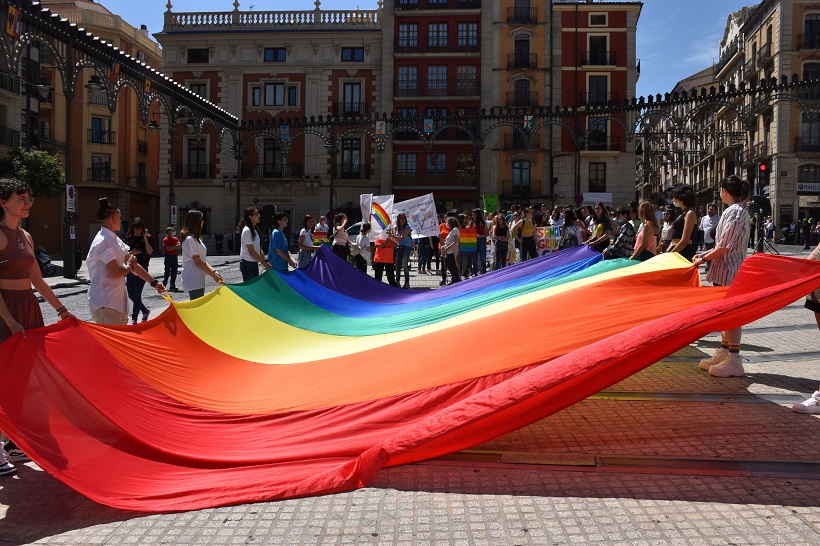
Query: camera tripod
(761, 239)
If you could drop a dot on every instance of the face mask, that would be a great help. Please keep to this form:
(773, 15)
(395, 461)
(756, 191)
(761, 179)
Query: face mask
(620, 221)
(677, 203)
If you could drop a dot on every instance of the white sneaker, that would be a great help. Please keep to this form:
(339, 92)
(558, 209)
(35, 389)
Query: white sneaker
(719, 356)
(812, 405)
(730, 367)
(6, 468)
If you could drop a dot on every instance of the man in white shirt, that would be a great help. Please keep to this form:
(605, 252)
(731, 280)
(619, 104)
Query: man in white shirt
(708, 224)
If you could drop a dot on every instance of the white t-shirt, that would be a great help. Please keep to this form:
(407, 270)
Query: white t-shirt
(305, 237)
(193, 277)
(452, 237)
(363, 242)
(244, 253)
(105, 290)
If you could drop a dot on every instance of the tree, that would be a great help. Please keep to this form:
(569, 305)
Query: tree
(40, 170)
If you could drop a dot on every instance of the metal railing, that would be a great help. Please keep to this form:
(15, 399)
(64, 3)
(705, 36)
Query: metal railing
(764, 54)
(521, 188)
(10, 82)
(102, 137)
(516, 60)
(433, 180)
(195, 170)
(807, 144)
(522, 15)
(597, 98)
(518, 142)
(102, 174)
(726, 57)
(352, 109)
(351, 172)
(808, 41)
(598, 58)
(9, 137)
(603, 144)
(257, 171)
(522, 99)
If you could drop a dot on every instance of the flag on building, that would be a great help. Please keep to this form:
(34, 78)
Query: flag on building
(13, 22)
(114, 73)
(147, 90)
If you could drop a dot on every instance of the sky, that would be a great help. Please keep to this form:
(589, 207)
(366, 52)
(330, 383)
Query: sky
(675, 38)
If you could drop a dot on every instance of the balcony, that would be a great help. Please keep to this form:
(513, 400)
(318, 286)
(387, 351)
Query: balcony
(807, 144)
(351, 172)
(811, 92)
(808, 41)
(599, 58)
(761, 149)
(522, 16)
(102, 137)
(529, 188)
(141, 181)
(597, 98)
(142, 146)
(260, 171)
(436, 88)
(518, 142)
(603, 145)
(522, 100)
(9, 137)
(195, 171)
(727, 56)
(406, 46)
(516, 60)
(352, 109)
(433, 180)
(437, 4)
(102, 174)
(10, 83)
(764, 55)
(749, 70)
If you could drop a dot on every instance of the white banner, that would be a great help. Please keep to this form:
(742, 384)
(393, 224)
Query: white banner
(421, 215)
(379, 214)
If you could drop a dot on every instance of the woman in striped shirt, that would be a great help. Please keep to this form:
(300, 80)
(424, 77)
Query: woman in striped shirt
(729, 252)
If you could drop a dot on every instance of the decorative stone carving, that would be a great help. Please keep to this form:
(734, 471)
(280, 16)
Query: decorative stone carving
(260, 46)
(289, 46)
(315, 43)
(233, 45)
(337, 45)
(183, 49)
(366, 43)
(211, 47)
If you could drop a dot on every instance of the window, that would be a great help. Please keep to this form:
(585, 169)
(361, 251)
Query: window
(351, 158)
(271, 158)
(810, 133)
(521, 177)
(598, 54)
(808, 174)
(439, 115)
(100, 131)
(466, 166)
(100, 168)
(408, 81)
(353, 99)
(197, 158)
(521, 93)
(597, 177)
(408, 4)
(437, 3)
(200, 88)
(353, 54)
(275, 54)
(406, 165)
(198, 55)
(811, 30)
(598, 90)
(596, 134)
(597, 19)
(142, 176)
(98, 96)
(409, 114)
(409, 35)
(811, 71)
(140, 56)
(467, 35)
(522, 52)
(467, 80)
(437, 35)
(274, 94)
(437, 80)
(436, 164)
(469, 118)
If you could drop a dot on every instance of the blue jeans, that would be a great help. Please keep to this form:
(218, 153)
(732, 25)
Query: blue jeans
(171, 268)
(403, 262)
(134, 286)
(424, 251)
(481, 245)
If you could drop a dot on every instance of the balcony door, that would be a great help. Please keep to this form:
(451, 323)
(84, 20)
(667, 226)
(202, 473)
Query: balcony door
(522, 52)
(353, 98)
(521, 172)
(271, 158)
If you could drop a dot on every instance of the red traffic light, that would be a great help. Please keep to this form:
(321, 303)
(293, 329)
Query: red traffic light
(762, 167)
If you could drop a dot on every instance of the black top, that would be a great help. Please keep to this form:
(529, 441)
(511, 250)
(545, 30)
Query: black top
(136, 243)
(676, 229)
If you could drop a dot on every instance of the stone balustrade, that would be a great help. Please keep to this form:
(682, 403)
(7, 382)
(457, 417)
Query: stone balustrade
(222, 21)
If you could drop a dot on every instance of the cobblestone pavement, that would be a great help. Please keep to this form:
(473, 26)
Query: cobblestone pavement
(667, 456)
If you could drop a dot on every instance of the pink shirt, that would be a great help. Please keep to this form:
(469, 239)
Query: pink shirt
(651, 245)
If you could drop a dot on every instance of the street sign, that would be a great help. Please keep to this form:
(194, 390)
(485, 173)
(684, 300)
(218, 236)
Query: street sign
(70, 198)
(173, 215)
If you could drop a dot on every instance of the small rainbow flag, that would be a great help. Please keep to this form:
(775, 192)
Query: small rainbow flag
(320, 238)
(378, 214)
(467, 240)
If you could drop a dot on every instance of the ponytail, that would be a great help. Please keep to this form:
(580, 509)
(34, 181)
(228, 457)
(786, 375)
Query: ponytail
(105, 208)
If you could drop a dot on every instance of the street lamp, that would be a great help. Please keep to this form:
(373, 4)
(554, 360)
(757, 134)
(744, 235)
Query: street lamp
(238, 152)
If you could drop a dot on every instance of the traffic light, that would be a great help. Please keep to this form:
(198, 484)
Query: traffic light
(762, 176)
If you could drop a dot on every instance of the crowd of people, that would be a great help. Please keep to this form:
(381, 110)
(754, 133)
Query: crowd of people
(118, 269)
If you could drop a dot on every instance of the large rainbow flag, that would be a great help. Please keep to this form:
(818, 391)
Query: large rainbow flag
(311, 381)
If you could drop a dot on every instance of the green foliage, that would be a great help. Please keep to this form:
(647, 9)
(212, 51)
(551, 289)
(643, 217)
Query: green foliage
(40, 170)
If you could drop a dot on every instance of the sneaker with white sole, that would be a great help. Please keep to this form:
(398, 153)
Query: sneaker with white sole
(6, 468)
(719, 356)
(14, 454)
(730, 367)
(812, 405)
